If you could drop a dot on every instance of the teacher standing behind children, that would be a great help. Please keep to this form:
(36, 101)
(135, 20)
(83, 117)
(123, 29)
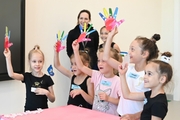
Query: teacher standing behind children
(84, 16)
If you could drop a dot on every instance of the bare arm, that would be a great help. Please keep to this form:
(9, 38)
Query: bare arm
(104, 96)
(59, 67)
(135, 116)
(127, 94)
(50, 94)
(11, 73)
(116, 47)
(90, 96)
(155, 118)
(69, 40)
(106, 56)
(79, 63)
(96, 40)
(113, 100)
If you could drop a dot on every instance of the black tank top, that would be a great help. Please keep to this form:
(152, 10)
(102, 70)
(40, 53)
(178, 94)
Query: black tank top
(79, 100)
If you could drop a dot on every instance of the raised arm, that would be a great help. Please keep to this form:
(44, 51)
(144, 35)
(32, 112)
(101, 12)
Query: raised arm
(11, 73)
(96, 40)
(106, 56)
(127, 94)
(69, 41)
(116, 47)
(58, 65)
(86, 70)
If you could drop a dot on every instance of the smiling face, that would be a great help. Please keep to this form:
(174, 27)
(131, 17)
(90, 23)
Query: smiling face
(135, 52)
(104, 34)
(152, 77)
(36, 62)
(83, 18)
(74, 67)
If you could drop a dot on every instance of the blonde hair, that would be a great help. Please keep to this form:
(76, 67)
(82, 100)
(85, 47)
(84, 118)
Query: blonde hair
(36, 49)
(114, 54)
(103, 28)
(85, 58)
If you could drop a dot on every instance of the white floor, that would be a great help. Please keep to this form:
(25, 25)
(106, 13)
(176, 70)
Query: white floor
(173, 111)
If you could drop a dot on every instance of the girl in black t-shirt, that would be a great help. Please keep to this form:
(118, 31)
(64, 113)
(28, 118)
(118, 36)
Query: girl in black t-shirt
(39, 86)
(157, 74)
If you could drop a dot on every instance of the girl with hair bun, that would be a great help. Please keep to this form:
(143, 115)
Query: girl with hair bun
(157, 74)
(39, 86)
(141, 51)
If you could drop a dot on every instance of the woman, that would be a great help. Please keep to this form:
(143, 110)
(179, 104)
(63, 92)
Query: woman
(84, 16)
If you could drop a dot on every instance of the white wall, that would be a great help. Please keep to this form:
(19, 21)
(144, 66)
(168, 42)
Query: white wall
(167, 30)
(45, 17)
(176, 49)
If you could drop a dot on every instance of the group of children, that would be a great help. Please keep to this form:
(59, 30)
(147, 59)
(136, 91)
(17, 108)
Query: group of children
(137, 85)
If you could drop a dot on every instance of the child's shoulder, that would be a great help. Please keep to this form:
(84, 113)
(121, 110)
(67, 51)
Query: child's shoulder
(27, 74)
(116, 78)
(47, 76)
(132, 71)
(96, 72)
(131, 66)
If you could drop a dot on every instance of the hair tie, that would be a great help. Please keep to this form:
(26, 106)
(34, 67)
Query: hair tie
(165, 59)
(84, 51)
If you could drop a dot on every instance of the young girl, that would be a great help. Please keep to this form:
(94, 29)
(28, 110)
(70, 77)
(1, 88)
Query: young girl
(157, 74)
(106, 84)
(39, 86)
(81, 90)
(103, 35)
(141, 50)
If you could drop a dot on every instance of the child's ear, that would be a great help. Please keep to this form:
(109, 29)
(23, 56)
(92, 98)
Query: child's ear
(86, 64)
(145, 54)
(162, 79)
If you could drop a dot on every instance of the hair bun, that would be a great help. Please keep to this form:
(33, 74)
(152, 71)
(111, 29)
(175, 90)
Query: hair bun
(36, 47)
(156, 37)
(165, 57)
(167, 54)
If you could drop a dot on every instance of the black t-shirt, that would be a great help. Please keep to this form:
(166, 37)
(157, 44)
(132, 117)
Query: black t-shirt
(156, 106)
(79, 100)
(33, 101)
